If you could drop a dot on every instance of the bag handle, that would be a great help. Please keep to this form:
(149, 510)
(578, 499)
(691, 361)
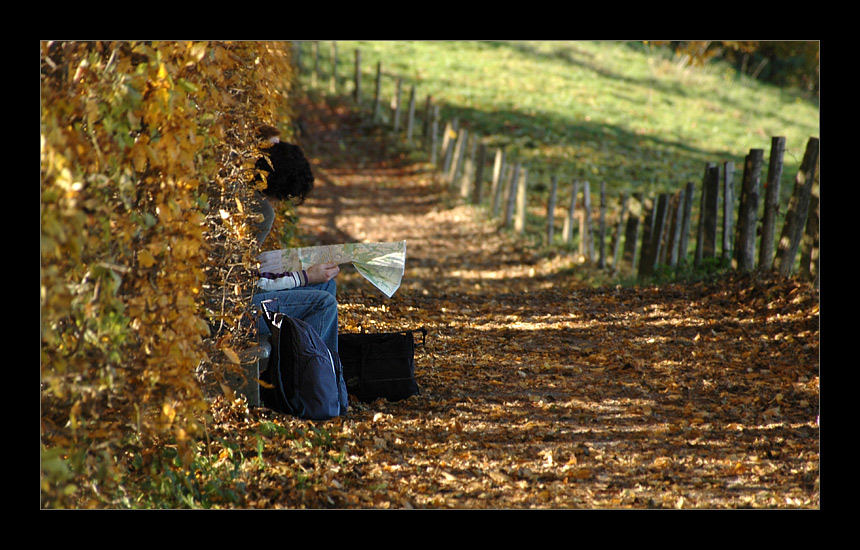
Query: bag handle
(423, 332)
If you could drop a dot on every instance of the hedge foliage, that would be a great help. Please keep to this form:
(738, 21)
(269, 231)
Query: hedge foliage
(146, 252)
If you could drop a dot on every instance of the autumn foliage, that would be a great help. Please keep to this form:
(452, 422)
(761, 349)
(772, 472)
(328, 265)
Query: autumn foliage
(146, 153)
(538, 389)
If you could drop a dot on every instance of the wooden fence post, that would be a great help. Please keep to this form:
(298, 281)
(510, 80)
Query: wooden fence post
(522, 202)
(550, 210)
(700, 234)
(665, 249)
(434, 136)
(377, 98)
(687, 220)
(797, 210)
(410, 119)
(446, 138)
(619, 227)
(333, 83)
(448, 145)
(710, 204)
(771, 202)
(601, 229)
(748, 212)
(397, 95)
(428, 118)
(631, 233)
(501, 198)
(357, 90)
(809, 244)
(651, 249)
(586, 239)
(467, 177)
(674, 246)
(459, 151)
(646, 266)
(664, 215)
(497, 185)
(478, 185)
(666, 241)
(512, 194)
(728, 209)
(570, 219)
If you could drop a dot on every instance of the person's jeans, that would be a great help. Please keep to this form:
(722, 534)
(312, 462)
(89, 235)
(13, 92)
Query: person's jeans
(314, 304)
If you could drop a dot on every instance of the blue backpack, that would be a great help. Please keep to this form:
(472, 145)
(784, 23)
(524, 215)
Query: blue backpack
(303, 377)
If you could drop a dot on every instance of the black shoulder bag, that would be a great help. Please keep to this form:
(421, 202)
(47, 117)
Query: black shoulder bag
(380, 364)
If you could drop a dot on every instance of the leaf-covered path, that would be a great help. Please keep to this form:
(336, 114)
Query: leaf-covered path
(536, 390)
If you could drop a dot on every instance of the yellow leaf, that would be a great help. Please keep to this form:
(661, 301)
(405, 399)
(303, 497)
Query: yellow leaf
(662, 462)
(169, 411)
(145, 259)
(579, 473)
(448, 477)
(232, 355)
(499, 477)
(228, 392)
(772, 412)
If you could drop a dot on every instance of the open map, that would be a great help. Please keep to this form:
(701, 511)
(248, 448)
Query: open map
(382, 264)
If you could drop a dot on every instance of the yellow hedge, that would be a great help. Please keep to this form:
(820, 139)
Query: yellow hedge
(146, 155)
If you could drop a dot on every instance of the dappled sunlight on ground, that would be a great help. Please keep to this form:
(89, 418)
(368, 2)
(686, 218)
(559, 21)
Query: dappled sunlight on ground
(538, 391)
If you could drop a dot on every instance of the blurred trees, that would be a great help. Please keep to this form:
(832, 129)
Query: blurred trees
(790, 64)
(793, 63)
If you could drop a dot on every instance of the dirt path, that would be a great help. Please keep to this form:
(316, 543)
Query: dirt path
(540, 393)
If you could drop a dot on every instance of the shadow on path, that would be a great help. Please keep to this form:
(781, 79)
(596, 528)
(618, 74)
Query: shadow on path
(539, 392)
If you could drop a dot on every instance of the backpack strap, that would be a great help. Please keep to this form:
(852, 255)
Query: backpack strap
(284, 387)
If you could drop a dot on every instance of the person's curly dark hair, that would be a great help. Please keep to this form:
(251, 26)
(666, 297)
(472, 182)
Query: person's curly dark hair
(289, 173)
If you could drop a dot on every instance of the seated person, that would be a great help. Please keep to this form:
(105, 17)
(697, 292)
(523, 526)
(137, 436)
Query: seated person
(310, 295)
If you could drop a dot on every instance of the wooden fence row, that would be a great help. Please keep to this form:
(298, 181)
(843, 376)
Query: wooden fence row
(643, 234)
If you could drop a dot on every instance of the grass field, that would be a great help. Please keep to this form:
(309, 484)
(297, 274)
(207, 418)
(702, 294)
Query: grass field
(628, 114)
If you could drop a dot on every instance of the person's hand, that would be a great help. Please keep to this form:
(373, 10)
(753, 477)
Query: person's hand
(322, 273)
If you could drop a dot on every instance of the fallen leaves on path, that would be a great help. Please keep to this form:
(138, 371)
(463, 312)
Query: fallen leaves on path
(538, 392)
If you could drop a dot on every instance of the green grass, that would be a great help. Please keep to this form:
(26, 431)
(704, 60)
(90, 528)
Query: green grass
(633, 116)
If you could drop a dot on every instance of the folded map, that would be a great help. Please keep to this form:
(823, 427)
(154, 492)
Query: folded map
(382, 264)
